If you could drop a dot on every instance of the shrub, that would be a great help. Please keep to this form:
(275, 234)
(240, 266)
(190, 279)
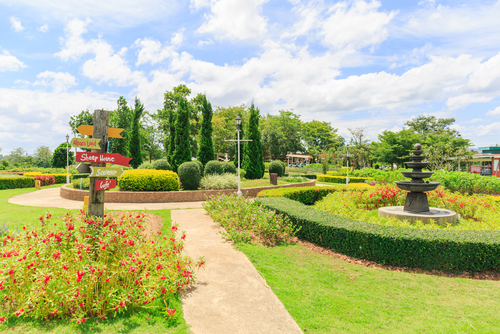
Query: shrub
(32, 173)
(213, 167)
(246, 221)
(162, 165)
(16, 182)
(427, 249)
(467, 183)
(60, 178)
(200, 164)
(276, 167)
(294, 179)
(306, 195)
(83, 268)
(190, 175)
(341, 179)
(80, 176)
(45, 180)
(332, 172)
(84, 182)
(146, 165)
(228, 168)
(148, 180)
(218, 182)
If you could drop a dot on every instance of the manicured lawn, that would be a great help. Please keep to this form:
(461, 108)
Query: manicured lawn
(327, 295)
(138, 321)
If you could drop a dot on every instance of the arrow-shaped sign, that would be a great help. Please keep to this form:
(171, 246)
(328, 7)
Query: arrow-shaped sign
(86, 143)
(113, 158)
(89, 130)
(105, 172)
(83, 168)
(105, 184)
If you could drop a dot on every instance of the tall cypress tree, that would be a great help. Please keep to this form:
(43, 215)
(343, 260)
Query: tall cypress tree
(121, 118)
(206, 151)
(135, 139)
(182, 152)
(171, 137)
(252, 154)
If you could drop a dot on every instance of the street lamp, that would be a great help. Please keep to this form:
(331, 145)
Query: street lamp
(238, 130)
(67, 159)
(347, 158)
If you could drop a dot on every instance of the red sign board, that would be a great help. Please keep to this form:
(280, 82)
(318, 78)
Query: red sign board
(105, 184)
(104, 158)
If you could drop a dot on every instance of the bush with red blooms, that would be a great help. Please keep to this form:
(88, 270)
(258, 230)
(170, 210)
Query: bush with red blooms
(81, 268)
(45, 180)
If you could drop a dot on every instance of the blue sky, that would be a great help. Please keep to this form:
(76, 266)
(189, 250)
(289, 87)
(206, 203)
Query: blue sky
(373, 64)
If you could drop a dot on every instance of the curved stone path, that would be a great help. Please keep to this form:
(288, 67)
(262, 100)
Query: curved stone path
(230, 296)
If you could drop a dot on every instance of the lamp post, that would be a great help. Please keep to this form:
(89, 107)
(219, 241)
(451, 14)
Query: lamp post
(67, 159)
(238, 130)
(347, 159)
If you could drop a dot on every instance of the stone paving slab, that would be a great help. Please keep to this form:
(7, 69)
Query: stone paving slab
(230, 296)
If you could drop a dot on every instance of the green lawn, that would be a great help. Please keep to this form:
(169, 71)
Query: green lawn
(10, 175)
(327, 295)
(140, 321)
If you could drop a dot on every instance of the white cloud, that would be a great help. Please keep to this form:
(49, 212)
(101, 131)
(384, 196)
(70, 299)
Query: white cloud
(494, 112)
(9, 62)
(475, 120)
(153, 52)
(16, 24)
(197, 4)
(488, 130)
(43, 28)
(59, 81)
(208, 41)
(235, 20)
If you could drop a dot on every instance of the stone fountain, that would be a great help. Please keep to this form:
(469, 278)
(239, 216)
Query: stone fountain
(416, 205)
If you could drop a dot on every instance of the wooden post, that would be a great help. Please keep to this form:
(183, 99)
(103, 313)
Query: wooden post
(96, 197)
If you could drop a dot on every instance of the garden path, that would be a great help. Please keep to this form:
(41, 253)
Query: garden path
(230, 296)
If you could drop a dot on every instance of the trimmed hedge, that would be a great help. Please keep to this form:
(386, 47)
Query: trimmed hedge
(17, 182)
(148, 180)
(189, 175)
(470, 251)
(60, 178)
(341, 179)
(332, 172)
(228, 168)
(80, 176)
(307, 176)
(213, 167)
(277, 167)
(306, 195)
(162, 165)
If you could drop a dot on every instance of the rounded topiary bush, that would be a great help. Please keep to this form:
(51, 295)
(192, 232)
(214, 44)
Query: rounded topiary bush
(213, 167)
(148, 180)
(276, 167)
(228, 168)
(162, 165)
(200, 164)
(145, 165)
(190, 175)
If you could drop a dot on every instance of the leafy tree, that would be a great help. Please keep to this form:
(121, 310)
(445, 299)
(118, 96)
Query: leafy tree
(273, 142)
(121, 118)
(59, 156)
(135, 139)
(83, 118)
(320, 136)
(424, 125)
(43, 156)
(359, 150)
(182, 151)
(152, 138)
(224, 127)
(394, 147)
(17, 155)
(252, 155)
(206, 152)
(289, 126)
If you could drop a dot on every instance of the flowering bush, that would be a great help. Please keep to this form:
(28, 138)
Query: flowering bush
(83, 268)
(45, 180)
(84, 182)
(245, 220)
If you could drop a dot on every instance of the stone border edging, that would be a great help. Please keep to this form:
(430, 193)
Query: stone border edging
(168, 196)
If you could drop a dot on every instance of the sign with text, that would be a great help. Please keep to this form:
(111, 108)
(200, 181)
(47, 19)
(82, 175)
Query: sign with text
(105, 172)
(89, 130)
(111, 158)
(105, 184)
(86, 143)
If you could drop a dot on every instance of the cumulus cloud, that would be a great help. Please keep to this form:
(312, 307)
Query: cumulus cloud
(234, 19)
(59, 81)
(16, 24)
(197, 4)
(494, 112)
(152, 51)
(10, 63)
(43, 28)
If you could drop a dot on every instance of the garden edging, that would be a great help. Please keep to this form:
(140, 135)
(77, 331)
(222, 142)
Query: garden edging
(168, 196)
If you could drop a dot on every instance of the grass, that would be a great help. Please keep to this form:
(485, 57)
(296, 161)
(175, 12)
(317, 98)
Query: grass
(10, 175)
(259, 183)
(328, 295)
(138, 321)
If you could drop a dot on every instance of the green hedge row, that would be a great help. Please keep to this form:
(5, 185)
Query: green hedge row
(307, 176)
(341, 179)
(80, 176)
(306, 195)
(17, 182)
(471, 251)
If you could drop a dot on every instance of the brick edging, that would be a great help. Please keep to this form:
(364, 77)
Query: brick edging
(168, 196)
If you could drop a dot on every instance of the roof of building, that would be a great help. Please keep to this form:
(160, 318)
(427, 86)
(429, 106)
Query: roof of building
(299, 156)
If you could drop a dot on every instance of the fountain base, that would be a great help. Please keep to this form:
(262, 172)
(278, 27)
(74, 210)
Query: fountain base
(440, 216)
(416, 202)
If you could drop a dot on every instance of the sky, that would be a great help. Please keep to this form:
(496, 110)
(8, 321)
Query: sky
(359, 63)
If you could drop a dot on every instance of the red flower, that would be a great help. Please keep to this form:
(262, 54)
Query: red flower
(83, 320)
(2, 319)
(11, 272)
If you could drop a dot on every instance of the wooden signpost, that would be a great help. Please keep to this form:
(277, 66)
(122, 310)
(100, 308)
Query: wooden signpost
(89, 130)
(85, 143)
(113, 158)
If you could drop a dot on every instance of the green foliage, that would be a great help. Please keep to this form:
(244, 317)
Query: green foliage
(79, 176)
(470, 251)
(182, 152)
(43, 156)
(218, 182)
(277, 167)
(121, 118)
(213, 167)
(224, 127)
(199, 165)
(162, 165)
(60, 178)
(83, 118)
(228, 168)
(306, 195)
(189, 175)
(85, 182)
(148, 180)
(135, 147)
(146, 165)
(320, 136)
(252, 155)
(341, 179)
(5, 163)
(293, 179)
(59, 157)
(282, 133)
(394, 147)
(16, 182)
(206, 151)
(467, 183)
(246, 221)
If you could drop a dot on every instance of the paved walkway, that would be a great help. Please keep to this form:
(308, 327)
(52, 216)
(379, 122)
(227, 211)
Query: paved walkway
(230, 296)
